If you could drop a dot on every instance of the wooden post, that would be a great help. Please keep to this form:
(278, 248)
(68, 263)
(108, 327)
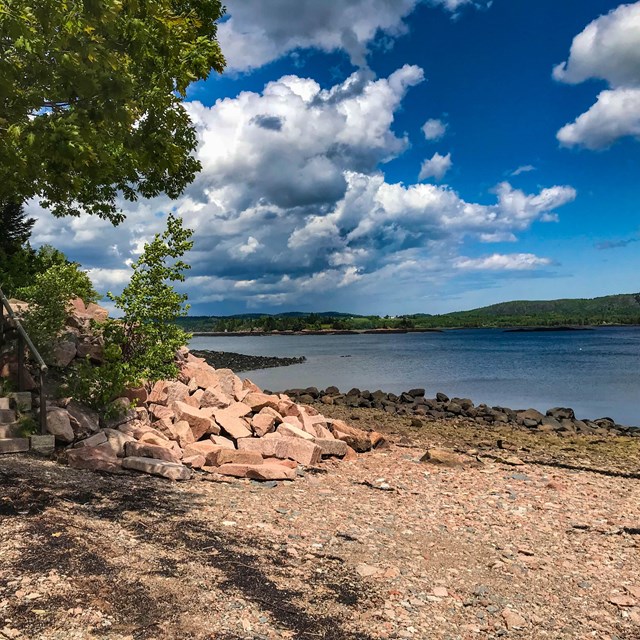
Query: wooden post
(20, 362)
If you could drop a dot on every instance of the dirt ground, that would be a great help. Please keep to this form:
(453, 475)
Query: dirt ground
(384, 546)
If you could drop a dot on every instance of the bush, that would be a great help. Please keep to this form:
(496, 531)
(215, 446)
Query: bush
(49, 298)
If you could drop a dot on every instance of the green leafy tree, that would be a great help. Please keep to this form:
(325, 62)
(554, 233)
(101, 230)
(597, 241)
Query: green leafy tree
(150, 305)
(91, 99)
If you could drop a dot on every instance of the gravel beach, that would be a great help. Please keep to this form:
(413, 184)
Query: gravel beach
(383, 546)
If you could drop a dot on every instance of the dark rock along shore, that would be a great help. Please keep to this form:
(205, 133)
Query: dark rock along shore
(559, 420)
(242, 362)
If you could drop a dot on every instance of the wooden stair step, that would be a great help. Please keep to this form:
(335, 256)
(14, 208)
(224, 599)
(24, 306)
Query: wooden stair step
(14, 445)
(7, 416)
(13, 430)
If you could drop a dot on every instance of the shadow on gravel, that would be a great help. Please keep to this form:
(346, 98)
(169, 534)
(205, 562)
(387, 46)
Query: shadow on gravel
(166, 518)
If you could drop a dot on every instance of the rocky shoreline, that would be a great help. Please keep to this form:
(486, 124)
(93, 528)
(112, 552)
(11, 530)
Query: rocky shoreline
(561, 421)
(243, 362)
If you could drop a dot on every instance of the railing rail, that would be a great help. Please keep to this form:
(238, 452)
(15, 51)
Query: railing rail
(24, 339)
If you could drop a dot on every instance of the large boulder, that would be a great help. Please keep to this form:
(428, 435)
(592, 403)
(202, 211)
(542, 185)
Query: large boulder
(145, 450)
(229, 383)
(84, 420)
(198, 419)
(356, 438)
(265, 421)
(203, 376)
(180, 432)
(59, 425)
(116, 441)
(63, 354)
(215, 398)
(232, 425)
(257, 401)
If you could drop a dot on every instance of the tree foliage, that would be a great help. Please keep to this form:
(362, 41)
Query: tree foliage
(16, 255)
(15, 226)
(151, 306)
(91, 99)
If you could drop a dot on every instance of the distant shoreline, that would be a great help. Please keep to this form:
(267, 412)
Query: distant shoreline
(345, 332)
(318, 332)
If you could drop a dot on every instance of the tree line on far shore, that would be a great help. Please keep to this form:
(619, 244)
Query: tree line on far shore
(623, 309)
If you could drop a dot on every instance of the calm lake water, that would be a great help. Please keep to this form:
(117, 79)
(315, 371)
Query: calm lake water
(597, 373)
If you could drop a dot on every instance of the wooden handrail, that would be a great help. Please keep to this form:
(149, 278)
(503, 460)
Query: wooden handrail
(23, 338)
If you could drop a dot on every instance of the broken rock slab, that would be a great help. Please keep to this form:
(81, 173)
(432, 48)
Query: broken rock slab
(297, 449)
(228, 456)
(233, 426)
(266, 472)
(332, 447)
(356, 438)
(287, 429)
(93, 459)
(169, 470)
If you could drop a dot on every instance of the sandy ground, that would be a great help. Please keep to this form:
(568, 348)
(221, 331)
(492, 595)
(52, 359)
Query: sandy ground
(381, 547)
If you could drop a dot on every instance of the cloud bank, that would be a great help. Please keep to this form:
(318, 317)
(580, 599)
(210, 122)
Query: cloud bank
(292, 206)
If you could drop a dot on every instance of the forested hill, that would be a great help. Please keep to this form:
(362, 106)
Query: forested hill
(618, 309)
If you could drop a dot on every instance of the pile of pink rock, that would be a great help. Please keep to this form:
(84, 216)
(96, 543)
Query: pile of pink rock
(209, 420)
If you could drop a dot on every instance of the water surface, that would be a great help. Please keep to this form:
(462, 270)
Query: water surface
(597, 372)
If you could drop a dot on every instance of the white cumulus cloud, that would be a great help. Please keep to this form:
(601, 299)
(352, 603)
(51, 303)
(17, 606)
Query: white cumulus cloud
(503, 262)
(615, 114)
(435, 167)
(607, 49)
(434, 129)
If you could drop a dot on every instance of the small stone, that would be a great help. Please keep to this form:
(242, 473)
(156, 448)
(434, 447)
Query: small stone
(623, 601)
(366, 570)
(443, 458)
(513, 620)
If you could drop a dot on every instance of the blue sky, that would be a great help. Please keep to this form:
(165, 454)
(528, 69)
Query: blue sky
(321, 190)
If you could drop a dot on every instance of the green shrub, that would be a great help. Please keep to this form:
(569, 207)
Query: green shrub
(49, 298)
